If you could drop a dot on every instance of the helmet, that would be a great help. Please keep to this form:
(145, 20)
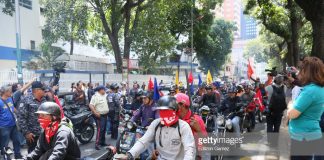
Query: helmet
(203, 85)
(239, 88)
(182, 88)
(139, 93)
(114, 86)
(49, 108)
(167, 102)
(148, 94)
(232, 90)
(183, 98)
(172, 89)
(208, 87)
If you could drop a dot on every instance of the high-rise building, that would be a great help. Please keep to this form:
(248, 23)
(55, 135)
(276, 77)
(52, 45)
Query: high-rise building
(31, 33)
(230, 10)
(248, 27)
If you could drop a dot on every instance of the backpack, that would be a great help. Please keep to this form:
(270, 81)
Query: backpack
(278, 100)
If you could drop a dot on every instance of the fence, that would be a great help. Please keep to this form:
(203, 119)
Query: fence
(10, 77)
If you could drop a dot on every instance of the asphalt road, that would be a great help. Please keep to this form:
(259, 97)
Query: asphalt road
(255, 145)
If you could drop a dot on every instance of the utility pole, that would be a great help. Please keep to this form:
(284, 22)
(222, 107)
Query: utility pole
(18, 41)
(191, 50)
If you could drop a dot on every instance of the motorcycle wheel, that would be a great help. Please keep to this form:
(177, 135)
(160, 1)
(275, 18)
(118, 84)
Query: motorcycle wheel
(118, 143)
(260, 117)
(86, 134)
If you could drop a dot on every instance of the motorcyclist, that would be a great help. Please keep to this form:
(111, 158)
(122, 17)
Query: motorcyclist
(178, 141)
(182, 89)
(209, 98)
(146, 112)
(230, 105)
(114, 109)
(195, 121)
(137, 102)
(247, 98)
(172, 91)
(57, 140)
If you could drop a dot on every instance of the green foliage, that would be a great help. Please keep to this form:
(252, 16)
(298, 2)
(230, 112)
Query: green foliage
(258, 49)
(153, 41)
(8, 8)
(213, 49)
(65, 20)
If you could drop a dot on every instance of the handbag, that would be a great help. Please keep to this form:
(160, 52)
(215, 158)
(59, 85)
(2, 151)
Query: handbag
(12, 114)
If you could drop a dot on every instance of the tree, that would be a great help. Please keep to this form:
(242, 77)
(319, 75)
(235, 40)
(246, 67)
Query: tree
(46, 59)
(314, 12)
(257, 49)
(273, 15)
(153, 41)
(66, 20)
(216, 46)
(8, 8)
(117, 17)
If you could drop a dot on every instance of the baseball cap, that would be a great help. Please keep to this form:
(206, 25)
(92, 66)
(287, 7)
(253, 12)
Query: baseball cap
(38, 85)
(183, 98)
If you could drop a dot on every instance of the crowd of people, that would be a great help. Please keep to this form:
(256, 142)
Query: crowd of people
(33, 113)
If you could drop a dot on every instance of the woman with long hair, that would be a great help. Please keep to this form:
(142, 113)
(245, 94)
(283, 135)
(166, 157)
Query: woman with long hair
(306, 111)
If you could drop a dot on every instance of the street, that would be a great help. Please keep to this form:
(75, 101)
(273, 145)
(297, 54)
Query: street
(255, 144)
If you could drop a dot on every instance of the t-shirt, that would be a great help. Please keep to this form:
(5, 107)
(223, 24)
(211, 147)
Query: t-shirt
(100, 103)
(6, 118)
(310, 103)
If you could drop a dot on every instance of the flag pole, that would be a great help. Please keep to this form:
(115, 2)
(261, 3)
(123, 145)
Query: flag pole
(188, 89)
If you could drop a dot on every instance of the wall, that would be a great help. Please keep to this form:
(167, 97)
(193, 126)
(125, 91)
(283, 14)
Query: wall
(9, 77)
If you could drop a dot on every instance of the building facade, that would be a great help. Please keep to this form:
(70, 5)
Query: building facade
(31, 34)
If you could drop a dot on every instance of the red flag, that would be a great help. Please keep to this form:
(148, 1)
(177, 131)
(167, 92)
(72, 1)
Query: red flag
(258, 97)
(190, 78)
(250, 70)
(150, 85)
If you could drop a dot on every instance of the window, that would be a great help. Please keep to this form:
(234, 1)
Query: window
(25, 3)
(32, 45)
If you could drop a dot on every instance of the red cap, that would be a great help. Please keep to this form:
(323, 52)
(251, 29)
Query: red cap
(183, 98)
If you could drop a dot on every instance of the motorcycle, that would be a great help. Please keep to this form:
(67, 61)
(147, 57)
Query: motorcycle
(8, 152)
(246, 121)
(128, 137)
(205, 114)
(80, 117)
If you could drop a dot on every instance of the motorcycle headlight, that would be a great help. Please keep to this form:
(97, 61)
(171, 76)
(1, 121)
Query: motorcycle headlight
(228, 124)
(220, 120)
(130, 125)
(127, 117)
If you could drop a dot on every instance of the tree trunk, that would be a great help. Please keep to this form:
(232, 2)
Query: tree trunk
(113, 37)
(294, 32)
(314, 11)
(318, 38)
(289, 57)
(71, 45)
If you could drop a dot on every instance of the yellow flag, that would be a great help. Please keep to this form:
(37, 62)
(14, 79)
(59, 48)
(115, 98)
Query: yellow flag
(209, 78)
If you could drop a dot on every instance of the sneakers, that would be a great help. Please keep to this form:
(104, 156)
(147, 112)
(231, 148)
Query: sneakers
(97, 148)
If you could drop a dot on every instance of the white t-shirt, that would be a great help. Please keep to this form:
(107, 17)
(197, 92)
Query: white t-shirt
(100, 103)
(295, 92)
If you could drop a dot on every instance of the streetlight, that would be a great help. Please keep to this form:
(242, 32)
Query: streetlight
(18, 52)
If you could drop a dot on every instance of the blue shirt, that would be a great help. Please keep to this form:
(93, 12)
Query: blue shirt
(6, 118)
(147, 115)
(310, 103)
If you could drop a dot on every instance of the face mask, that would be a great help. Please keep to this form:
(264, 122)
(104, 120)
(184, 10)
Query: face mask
(168, 117)
(44, 123)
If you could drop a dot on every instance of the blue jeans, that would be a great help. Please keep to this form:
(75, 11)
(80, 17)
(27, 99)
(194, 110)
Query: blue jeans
(108, 125)
(7, 133)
